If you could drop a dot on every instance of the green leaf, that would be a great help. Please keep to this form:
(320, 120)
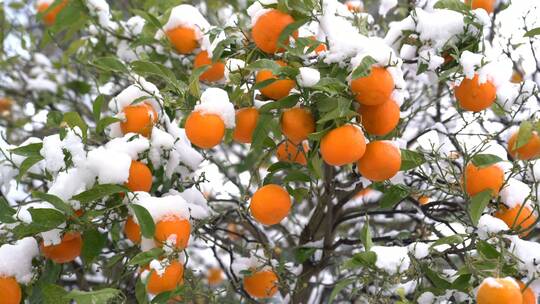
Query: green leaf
(454, 5)
(145, 257)
(94, 241)
(145, 220)
(342, 108)
(364, 68)
(27, 164)
(533, 32)
(73, 119)
(361, 259)
(524, 134)
(105, 122)
(265, 64)
(303, 254)
(140, 292)
(296, 176)
(487, 250)
(80, 87)
(484, 160)
(54, 200)
(462, 282)
(435, 278)
(93, 297)
(411, 159)
(47, 218)
(54, 294)
(98, 192)
(54, 119)
(261, 131)
(284, 36)
(28, 150)
(6, 212)
(393, 195)
(478, 205)
(339, 287)
(111, 64)
(287, 102)
(448, 240)
(97, 106)
(365, 235)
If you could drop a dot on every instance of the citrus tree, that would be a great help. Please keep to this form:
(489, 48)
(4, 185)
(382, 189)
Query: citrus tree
(275, 151)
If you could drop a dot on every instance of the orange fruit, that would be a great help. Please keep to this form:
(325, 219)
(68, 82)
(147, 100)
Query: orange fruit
(480, 179)
(487, 5)
(140, 177)
(132, 230)
(473, 96)
(246, 122)
(10, 290)
(343, 145)
(517, 77)
(270, 204)
(530, 150)
(49, 18)
(424, 200)
(139, 118)
(296, 124)
(172, 277)
(321, 47)
(517, 218)
(373, 89)
(68, 249)
(529, 297)
(214, 276)
(5, 105)
(204, 130)
(172, 225)
(183, 39)
(381, 161)
(499, 291)
(261, 284)
(268, 28)
(353, 6)
(277, 89)
(215, 71)
(291, 153)
(380, 119)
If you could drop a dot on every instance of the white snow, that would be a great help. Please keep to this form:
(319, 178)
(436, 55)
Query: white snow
(528, 254)
(392, 259)
(110, 167)
(308, 77)
(514, 193)
(216, 101)
(489, 225)
(419, 250)
(16, 259)
(386, 5)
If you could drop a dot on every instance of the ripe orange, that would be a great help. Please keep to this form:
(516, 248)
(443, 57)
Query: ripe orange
(296, 124)
(140, 177)
(5, 105)
(499, 291)
(261, 284)
(132, 230)
(381, 161)
(529, 297)
(183, 39)
(10, 290)
(517, 77)
(268, 28)
(343, 145)
(381, 119)
(215, 276)
(169, 280)
(246, 122)
(291, 153)
(528, 151)
(321, 47)
(277, 89)
(518, 218)
(488, 5)
(473, 96)
(50, 17)
(172, 225)
(139, 118)
(424, 200)
(373, 89)
(68, 249)
(215, 71)
(480, 179)
(354, 6)
(204, 130)
(270, 204)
